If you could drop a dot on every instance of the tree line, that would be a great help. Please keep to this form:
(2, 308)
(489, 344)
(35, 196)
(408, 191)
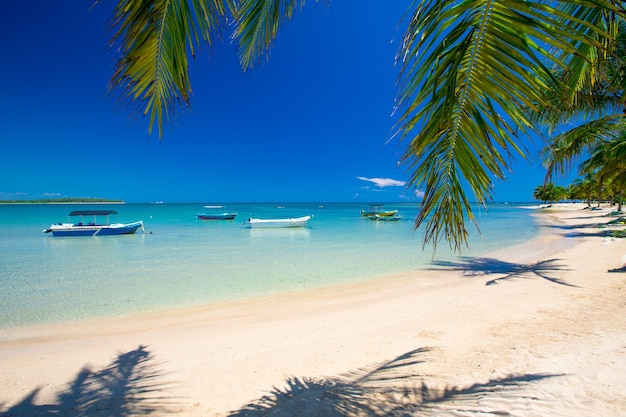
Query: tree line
(62, 200)
(581, 190)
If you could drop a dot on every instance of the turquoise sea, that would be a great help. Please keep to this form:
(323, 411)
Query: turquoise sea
(182, 262)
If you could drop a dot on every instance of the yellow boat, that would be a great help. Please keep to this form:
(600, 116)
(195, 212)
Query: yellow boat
(378, 210)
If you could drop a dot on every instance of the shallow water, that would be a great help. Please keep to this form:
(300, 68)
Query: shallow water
(183, 262)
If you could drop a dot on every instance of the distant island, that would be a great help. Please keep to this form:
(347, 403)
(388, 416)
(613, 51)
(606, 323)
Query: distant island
(65, 200)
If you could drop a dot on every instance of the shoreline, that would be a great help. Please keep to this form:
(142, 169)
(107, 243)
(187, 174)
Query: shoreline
(55, 319)
(67, 328)
(550, 311)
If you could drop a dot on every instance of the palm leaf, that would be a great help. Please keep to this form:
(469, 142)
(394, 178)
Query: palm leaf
(258, 24)
(592, 82)
(470, 72)
(570, 146)
(592, 98)
(155, 40)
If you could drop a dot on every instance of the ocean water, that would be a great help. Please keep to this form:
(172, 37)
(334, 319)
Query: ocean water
(183, 262)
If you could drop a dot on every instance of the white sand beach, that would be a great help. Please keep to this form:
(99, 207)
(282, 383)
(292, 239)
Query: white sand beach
(535, 330)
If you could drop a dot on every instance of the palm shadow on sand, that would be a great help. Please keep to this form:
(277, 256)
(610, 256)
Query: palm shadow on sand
(508, 271)
(387, 389)
(620, 269)
(129, 386)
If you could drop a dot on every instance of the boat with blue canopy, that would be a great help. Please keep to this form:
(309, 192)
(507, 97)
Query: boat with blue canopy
(93, 223)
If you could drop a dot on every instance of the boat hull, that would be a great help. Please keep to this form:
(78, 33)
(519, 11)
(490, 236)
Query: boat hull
(278, 223)
(381, 218)
(225, 216)
(70, 229)
(387, 213)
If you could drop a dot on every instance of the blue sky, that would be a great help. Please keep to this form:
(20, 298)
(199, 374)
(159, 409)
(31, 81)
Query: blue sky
(312, 123)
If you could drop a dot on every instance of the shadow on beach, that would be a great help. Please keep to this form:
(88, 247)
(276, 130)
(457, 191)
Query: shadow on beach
(388, 389)
(128, 386)
(575, 231)
(578, 226)
(508, 270)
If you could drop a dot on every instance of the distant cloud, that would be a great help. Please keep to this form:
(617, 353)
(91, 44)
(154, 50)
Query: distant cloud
(26, 196)
(12, 196)
(416, 194)
(384, 182)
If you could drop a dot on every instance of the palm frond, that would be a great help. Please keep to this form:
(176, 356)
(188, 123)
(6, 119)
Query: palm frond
(258, 24)
(470, 71)
(607, 160)
(591, 83)
(155, 39)
(599, 21)
(570, 146)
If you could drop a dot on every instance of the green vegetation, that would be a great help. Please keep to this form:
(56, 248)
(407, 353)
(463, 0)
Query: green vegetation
(475, 79)
(597, 140)
(66, 200)
(589, 189)
(550, 193)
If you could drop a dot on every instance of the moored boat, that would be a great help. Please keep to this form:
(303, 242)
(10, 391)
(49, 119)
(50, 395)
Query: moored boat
(378, 209)
(378, 217)
(216, 214)
(270, 223)
(93, 223)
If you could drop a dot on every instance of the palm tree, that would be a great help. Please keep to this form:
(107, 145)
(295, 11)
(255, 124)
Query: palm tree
(608, 163)
(598, 108)
(619, 158)
(601, 131)
(469, 71)
(542, 192)
(472, 73)
(550, 193)
(582, 188)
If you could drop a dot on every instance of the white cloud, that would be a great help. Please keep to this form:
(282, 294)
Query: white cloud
(11, 196)
(384, 182)
(19, 195)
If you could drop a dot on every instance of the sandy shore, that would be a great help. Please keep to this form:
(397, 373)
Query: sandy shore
(535, 330)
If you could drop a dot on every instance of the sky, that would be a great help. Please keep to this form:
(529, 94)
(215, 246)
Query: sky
(312, 123)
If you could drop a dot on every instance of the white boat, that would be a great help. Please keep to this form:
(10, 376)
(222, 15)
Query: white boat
(96, 224)
(269, 223)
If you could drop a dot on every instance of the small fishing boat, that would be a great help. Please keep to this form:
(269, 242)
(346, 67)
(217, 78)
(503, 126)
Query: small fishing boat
(380, 218)
(93, 223)
(269, 223)
(378, 209)
(217, 213)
